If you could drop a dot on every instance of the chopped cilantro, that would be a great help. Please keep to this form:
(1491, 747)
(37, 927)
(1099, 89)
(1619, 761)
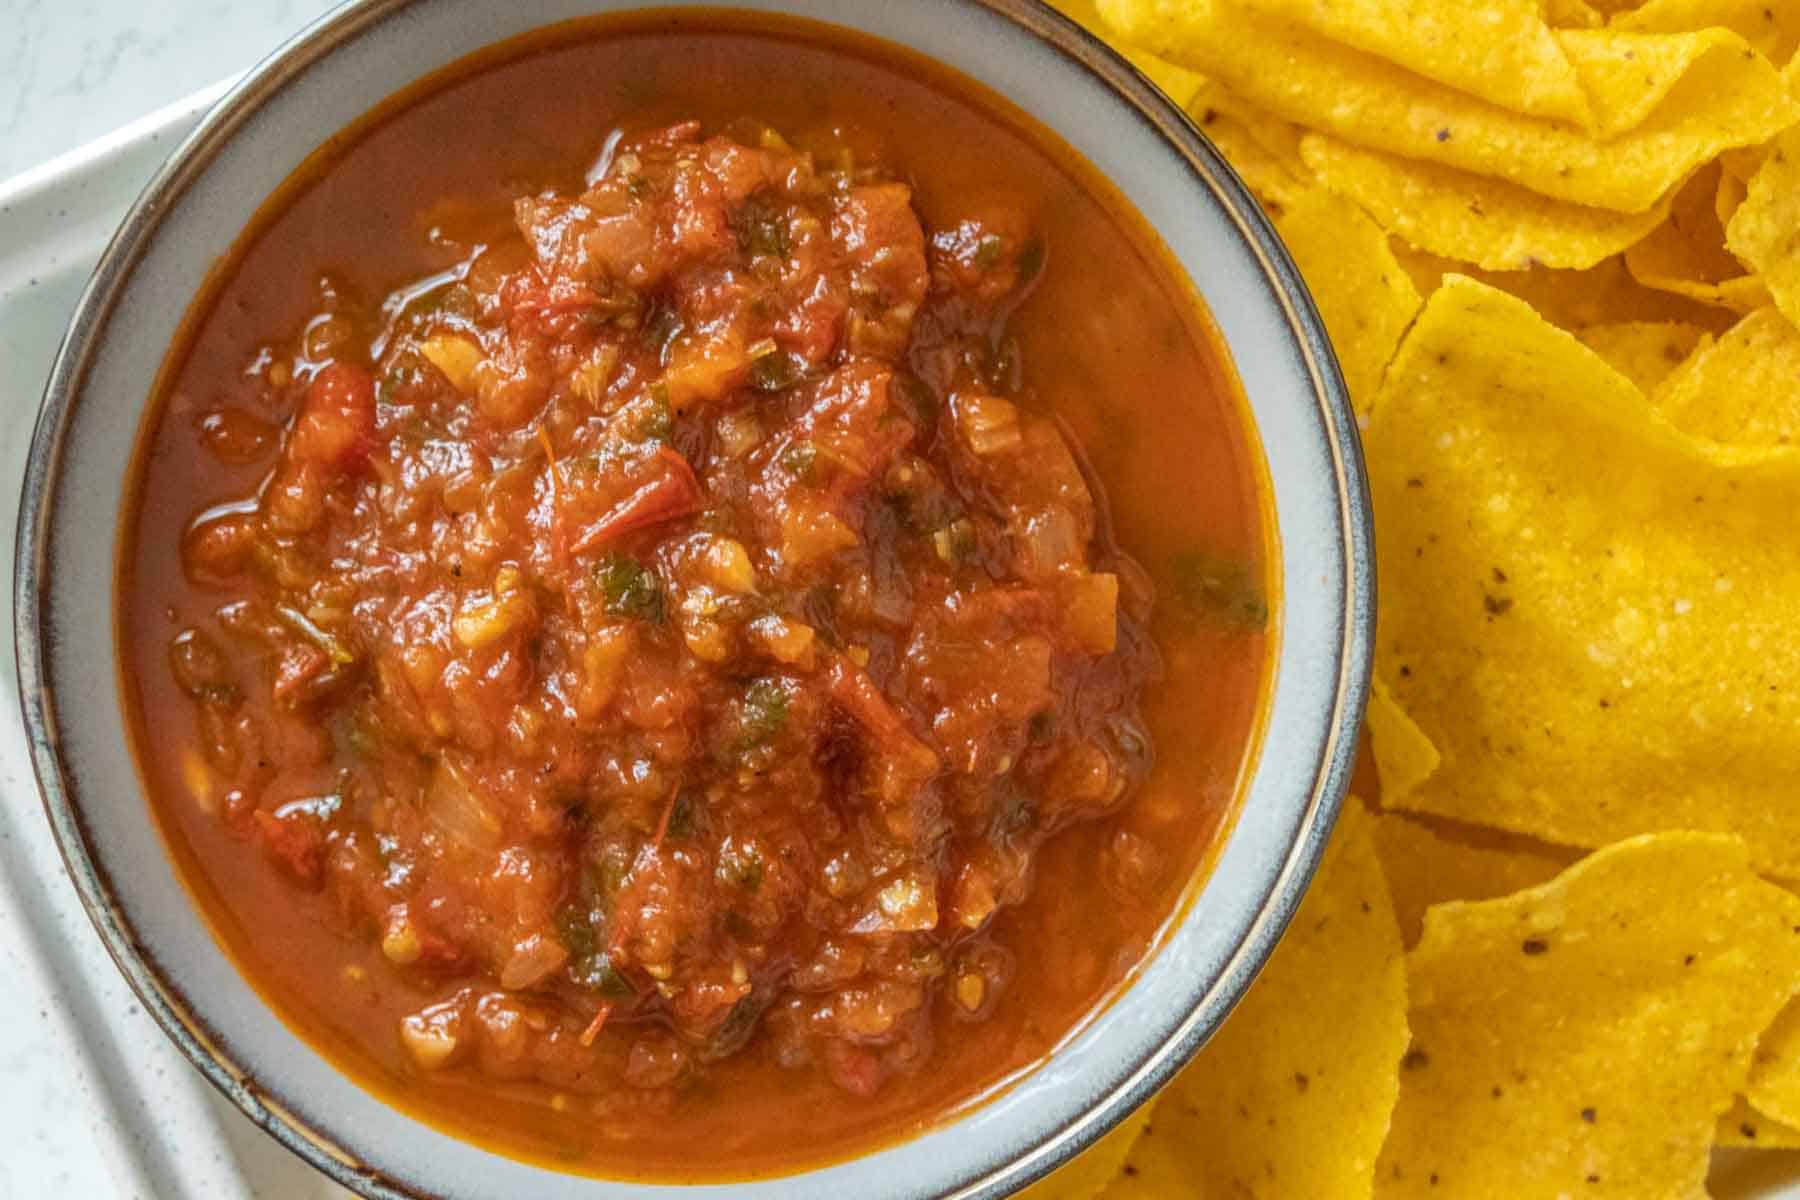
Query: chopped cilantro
(658, 420)
(681, 816)
(596, 973)
(575, 927)
(761, 230)
(631, 589)
(764, 713)
(774, 373)
(662, 326)
(742, 865)
(1212, 587)
(801, 460)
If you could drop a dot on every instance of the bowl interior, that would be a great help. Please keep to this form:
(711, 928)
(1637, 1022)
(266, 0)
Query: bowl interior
(74, 498)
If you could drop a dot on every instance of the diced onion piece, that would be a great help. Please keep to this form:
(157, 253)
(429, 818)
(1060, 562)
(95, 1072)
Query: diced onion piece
(786, 641)
(989, 424)
(199, 779)
(455, 357)
(1048, 542)
(456, 810)
(508, 608)
(594, 376)
(970, 990)
(431, 1035)
(907, 904)
(603, 668)
(972, 897)
(739, 432)
(728, 566)
(532, 960)
(809, 535)
(705, 638)
(705, 370)
(1090, 611)
(399, 940)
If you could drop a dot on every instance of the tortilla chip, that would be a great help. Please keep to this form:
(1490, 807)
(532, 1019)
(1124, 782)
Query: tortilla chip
(1572, 14)
(1627, 76)
(1264, 150)
(1365, 297)
(1730, 196)
(1771, 28)
(1743, 389)
(1582, 1038)
(1270, 182)
(1775, 1076)
(1742, 1127)
(1279, 138)
(1310, 1057)
(1404, 756)
(1601, 295)
(1727, 99)
(1645, 352)
(1588, 613)
(1765, 231)
(1430, 862)
(1686, 255)
(1498, 226)
(1087, 1175)
(1179, 84)
(1500, 50)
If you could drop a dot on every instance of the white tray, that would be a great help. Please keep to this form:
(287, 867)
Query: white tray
(96, 1102)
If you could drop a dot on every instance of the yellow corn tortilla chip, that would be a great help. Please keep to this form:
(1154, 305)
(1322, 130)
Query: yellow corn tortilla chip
(1279, 138)
(1744, 162)
(1742, 1127)
(1573, 14)
(1588, 613)
(1496, 225)
(1627, 76)
(1309, 1058)
(1771, 27)
(1728, 99)
(1264, 150)
(1404, 756)
(1089, 1173)
(1365, 297)
(1572, 299)
(1581, 1039)
(1500, 50)
(1730, 196)
(1765, 230)
(1179, 84)
(1268, 180)
(1774, 1088)
(1645, 352)
(1429, 862)
(1686, 255)
(1743, 389)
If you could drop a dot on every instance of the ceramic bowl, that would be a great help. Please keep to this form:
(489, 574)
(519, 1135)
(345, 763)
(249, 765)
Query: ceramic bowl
(71, 521)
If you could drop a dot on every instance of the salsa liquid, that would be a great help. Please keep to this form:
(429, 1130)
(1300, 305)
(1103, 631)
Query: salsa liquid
(661, 965)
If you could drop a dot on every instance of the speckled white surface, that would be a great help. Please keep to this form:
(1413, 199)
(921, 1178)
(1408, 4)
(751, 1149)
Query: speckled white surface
(71, 70)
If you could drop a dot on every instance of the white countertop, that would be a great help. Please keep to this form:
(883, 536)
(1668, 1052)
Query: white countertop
(71, 70)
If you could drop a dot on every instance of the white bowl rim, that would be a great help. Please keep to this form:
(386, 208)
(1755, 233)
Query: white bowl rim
(1349, 577)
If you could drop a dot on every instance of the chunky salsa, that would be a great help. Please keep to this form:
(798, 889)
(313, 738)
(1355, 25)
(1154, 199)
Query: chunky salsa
(638, 641)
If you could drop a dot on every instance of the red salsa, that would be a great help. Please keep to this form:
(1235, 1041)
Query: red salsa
(641, 649)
